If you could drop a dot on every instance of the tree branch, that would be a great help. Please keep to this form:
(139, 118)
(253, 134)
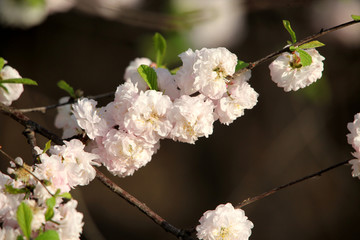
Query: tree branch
(29, 133)
(181, 234)
(274, 190)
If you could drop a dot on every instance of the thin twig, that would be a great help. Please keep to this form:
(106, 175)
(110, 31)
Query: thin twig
(31, 173)
(24, 120)
(287, 49)
(274, 190)
(70, 101)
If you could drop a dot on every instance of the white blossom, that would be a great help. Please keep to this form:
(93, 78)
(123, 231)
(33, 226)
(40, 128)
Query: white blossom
(224, 223)
(205, 71)
(147, 117)
(354, 136)
(14, 90)
(287, 72)
(185, 77)
(66, 120)
(354, 139)
(211, 69)
(125, 95)
(8, 207)
(77, 162)
(355, 165)
(240, 96)
(123, 153)
(192, 118)
(52, 169)
(70, 221)
(90, 118)
(8, 202)
(166, 83)
(9, 233)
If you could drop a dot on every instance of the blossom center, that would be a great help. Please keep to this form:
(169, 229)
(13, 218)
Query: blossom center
(189, 129)
(295, 62)
(224, 233)
(220, 72)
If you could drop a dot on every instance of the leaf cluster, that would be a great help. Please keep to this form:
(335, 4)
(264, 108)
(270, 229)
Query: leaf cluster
(305, 58)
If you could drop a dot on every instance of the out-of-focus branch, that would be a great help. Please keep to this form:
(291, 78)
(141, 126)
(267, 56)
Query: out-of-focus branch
(152, 20)
(25, 121)
(274, 190)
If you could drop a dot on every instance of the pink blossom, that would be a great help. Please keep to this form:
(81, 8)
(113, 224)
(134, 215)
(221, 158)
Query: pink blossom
(192, 118)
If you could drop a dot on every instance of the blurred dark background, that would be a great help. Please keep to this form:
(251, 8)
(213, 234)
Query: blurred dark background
(284, 137)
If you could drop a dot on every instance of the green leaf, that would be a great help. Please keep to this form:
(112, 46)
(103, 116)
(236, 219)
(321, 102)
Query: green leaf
(305, 58)
(50, 202)
(66, 195)
(2, 63)
(48, 235)
(312, 44)
(49, 214)
(57, 192)
(289, 29)
(26, 81)
(160, 48)
(292, 48)
(174, 71)
(240, 65)
(47, 146)
(355, 17)
(67, 88)
(149, 76)
(24, 217)
(10, 189)
(3, 87)
(19, 237)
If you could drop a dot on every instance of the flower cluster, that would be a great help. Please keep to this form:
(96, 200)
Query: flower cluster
(126, 132)
(44, 195)
(288, 72)
(354, 139)
(9, 92)
(224, 223)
